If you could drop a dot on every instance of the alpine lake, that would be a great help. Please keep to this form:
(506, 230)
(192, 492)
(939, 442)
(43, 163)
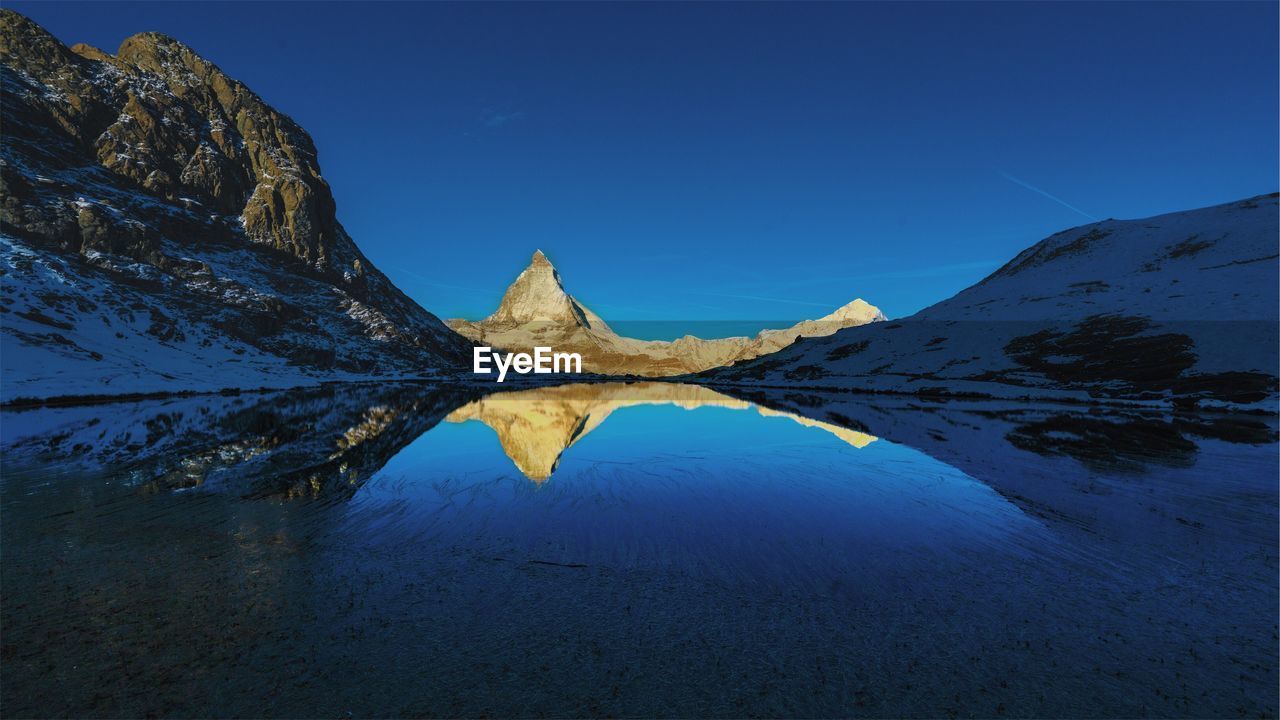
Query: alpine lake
(634, 549)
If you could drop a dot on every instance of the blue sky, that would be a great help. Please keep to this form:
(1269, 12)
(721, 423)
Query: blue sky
(689, 162)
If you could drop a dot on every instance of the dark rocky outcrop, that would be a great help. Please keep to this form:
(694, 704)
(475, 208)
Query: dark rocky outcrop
(153, 170)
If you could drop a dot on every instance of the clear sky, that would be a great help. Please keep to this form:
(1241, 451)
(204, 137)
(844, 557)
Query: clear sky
(684, 162)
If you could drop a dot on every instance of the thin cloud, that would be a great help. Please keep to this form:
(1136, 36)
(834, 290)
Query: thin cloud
(913, 273)
(498, 119)
(1054, 198)
(929, 272)
(625, 308)
(765, 299)
(423, 280)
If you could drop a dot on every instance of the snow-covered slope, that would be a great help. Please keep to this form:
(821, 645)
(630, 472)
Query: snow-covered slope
(1176, 308)
(163, 229)
(537, 311)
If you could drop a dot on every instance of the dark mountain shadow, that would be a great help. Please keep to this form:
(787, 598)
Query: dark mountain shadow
(324, 443)
(318, 443)
(1120, 471)
(1132, 444)
(1058, 462)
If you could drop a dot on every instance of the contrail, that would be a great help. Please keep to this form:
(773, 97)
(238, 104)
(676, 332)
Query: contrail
(930, 271)
(1035, 189)
(920, 272)
(423, 280)
(765, 299)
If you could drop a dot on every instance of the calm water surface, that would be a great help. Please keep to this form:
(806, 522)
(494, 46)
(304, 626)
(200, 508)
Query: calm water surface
(642, 550)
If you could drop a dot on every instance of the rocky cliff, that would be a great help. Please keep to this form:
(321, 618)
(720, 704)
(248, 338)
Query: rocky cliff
(166, 229)
(537, 311)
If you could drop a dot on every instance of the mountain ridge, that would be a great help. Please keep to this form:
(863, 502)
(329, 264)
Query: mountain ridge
(536, 310)
(165, 229)
(1178, 309)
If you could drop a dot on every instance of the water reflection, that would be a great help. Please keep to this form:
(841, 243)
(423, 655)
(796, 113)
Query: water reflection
(681, 551)
(326, 442)
(536, 426)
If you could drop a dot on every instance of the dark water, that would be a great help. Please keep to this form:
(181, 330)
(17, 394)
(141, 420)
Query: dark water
(641, 550)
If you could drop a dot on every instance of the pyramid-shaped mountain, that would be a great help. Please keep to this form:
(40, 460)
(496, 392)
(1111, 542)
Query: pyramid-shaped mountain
(536, 311)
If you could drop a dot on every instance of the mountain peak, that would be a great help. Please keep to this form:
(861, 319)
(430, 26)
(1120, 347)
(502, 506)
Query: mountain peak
(154, 51)
(155, 38)
(29, 47)
(183, 175)
(89, 52)
(859, 309)
(537, 311)
(537, 296)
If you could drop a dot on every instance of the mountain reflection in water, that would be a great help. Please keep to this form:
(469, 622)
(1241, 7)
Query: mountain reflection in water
(328, 441)
(643, 549)
(536, 426)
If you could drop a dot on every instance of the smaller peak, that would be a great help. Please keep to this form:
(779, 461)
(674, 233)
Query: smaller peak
(152, 37)
(148, 48)
(90, 52)
(858, 309)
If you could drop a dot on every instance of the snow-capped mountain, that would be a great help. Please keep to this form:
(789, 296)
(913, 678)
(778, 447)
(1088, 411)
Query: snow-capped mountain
(163, 229)
(537, 311)
(1178, 308)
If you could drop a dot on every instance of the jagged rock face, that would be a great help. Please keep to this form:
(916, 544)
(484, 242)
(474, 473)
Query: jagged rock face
(159, 185)
(537, 311)
(175, 124)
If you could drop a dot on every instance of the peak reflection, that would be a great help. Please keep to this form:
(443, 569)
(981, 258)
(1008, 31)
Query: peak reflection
(536, 426)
